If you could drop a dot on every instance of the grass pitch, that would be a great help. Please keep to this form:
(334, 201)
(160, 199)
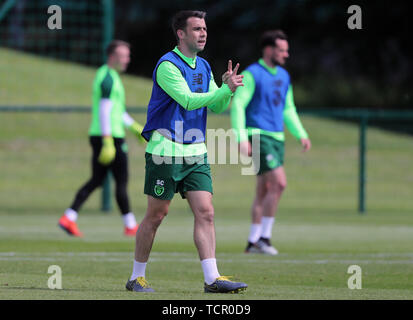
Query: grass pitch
(44, 158)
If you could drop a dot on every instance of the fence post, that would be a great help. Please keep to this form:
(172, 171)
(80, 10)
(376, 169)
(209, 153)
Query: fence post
(107, 30)
(362, 162)
(107, 25)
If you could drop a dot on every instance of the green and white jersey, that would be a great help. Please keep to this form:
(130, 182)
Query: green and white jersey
(108, 85)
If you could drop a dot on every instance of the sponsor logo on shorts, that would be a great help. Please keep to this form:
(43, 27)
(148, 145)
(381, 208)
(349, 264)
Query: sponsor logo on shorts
(159, 187)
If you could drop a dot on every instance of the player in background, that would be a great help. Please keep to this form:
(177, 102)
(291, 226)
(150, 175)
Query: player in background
(183, 88)
(263, 106)
(107, 139)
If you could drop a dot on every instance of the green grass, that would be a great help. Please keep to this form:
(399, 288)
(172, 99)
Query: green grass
(44, 158)
(33, 80)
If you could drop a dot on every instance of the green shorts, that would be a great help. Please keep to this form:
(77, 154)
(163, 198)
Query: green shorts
(176, 174)
(271, 152)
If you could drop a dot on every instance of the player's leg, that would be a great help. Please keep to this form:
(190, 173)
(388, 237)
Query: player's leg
(204, 237)
(157, 210)
(196, 186)
(271, 181)
(99, 172)
(204, 232)
(256, 215)
(155, 213)
(160, 188)
(119, 169)
(204, 229)
(276, 182)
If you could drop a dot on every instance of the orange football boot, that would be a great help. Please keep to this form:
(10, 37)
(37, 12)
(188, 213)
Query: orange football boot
(69, 226)
(131, 232)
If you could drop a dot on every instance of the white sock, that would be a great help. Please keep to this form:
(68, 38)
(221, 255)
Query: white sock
(138, 270)
(129, 220)
(255, 232)
(71, 214)
(266, 227)
(209, 266)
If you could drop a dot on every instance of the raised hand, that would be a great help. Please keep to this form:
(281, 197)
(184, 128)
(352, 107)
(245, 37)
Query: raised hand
(227, 74)
(231, 78)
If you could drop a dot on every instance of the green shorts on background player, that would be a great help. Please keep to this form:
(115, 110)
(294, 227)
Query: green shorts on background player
(262, 107)
(107, 139)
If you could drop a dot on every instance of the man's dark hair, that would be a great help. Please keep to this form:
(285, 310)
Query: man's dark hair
(114, 44)
(268, 38)
(179, 20)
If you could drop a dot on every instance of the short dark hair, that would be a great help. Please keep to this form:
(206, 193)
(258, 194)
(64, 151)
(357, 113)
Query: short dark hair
(114, 44)
(268, 38)
(180, 18)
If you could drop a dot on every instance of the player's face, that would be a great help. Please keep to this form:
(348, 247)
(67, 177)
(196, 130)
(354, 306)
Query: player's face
(195, 34)
(121, 58)
(280, 52)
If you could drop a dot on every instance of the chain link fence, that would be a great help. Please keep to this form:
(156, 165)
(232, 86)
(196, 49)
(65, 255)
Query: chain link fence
(86, 28)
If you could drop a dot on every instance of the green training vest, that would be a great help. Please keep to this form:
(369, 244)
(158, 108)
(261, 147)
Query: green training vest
(107, 84)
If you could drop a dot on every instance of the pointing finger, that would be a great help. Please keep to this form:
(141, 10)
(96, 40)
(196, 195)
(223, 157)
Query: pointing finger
(236, 68)
(229, 65)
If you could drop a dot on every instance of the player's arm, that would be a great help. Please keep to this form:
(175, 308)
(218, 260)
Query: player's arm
(105, 105)
(170, 79)
(292, 121)
(108, 151)
(242, 98)
(133, 126)
(105, 109)
(221, 105)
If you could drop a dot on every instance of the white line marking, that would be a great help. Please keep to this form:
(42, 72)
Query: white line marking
(192, 257)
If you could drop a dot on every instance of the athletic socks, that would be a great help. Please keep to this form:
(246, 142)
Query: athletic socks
(255, 232)
(261, 230)
(266, 227)
(210, 269)
(71, 214)
(129, 220)
(138, 270)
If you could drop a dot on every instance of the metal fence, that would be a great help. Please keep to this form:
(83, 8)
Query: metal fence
(86, 28)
